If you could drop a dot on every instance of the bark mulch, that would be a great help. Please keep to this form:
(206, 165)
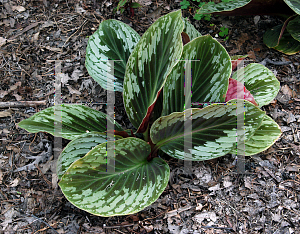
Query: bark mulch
(36, 36)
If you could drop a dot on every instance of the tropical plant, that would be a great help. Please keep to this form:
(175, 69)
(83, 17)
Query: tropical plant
(125, 3)
(284, 38)
(119, 172)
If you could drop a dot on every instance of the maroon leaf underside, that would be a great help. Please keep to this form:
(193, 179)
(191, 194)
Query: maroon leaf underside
(185, 38)
(261, 7)
(236, 62)
(236, 90)
(144, 125)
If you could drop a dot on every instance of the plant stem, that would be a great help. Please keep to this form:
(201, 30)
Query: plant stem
(146, 134)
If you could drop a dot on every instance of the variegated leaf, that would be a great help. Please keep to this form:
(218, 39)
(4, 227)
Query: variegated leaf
(190, 30)
(288, 44)
(214, 130)
(211, 69)
(273, 35)
(222, 6)
(294, 5)
(260, 81)
(75, 121)
(113, 40)
(148, 66)
(79, 147)
(265, 136)
(132, 185)
(294, 28)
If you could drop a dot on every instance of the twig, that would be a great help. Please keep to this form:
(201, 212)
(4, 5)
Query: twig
(214, 227)
(33, 25)
(74, 32)
(266, 61)
(44, 177)
(44, 223)
(22, 103)
(119, 226)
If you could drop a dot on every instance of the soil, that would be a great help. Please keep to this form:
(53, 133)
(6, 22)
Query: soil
(215, 198)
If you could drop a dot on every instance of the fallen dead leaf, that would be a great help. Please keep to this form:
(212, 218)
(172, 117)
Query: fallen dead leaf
(73, 91)
(2, 41)
(17, 96)
(15, 86)
(4, 114)
(18, 8)
(14, 183)
(1, 176)
(211, 216)
(36, 36)
(3, 93)
(5, 131)
(64, 78)
(251, 55)
(13, 148)
(76, 74)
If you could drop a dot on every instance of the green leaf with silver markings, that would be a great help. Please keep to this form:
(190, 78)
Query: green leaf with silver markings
(134, 183)
(115, 41)
(213, 130)
(288, 44)
(222, 6)
(79, 147)
(264, 137)
(75, 121)
(148, 66)
(210, 71)
(293, 28)
(260, 81)
(273, 35)
(190, 30)
(294, 5)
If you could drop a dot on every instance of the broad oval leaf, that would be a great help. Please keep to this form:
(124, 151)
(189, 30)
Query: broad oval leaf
(134, 184)
(294, 28)
(78, 148)
(265, 136)
(273, 35)
(222, 6)
(211, 69)
(148, 66)
(213, 131)
(75, 121)
(190, 30)
(260, 81)
(288, 44)
(115, 41)
(294, 5)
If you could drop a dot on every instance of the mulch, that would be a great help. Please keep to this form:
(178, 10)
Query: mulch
(38, 36)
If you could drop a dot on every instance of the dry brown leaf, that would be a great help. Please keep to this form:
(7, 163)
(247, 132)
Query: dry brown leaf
(18, 8)
(3, 93)
(15, 86)
(73, 91)
(14, 183)
(244, 37)
(4, 114)
(17, 96)
(251, 55)
(2, 41)
(13, 148)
